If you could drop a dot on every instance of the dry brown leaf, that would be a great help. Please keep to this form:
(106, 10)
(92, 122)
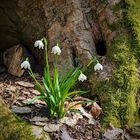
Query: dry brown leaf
(25, 84)
(95, 110)
(74, 104)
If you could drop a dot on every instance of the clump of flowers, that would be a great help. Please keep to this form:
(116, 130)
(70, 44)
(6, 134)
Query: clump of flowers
(57, 89)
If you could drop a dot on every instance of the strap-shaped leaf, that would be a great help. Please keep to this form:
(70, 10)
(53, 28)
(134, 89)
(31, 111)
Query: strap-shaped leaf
(56, 83)
(46, 87)
(52, 99)
(34, 99)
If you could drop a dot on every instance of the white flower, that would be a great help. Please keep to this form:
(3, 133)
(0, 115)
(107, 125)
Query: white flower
(98, 66)
(82, 77)
(25, 65)
(39, 44)
(56, 50)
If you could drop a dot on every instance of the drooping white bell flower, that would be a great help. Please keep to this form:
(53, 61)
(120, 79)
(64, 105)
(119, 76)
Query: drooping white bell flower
(56, 50)
(39, 44)
(25, 65)
(98, 66)
(82, 77)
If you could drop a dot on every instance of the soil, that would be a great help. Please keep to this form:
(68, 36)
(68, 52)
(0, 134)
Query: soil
(15, 94)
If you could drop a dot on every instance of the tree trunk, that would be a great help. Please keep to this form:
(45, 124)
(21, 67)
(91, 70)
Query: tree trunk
(84, 28)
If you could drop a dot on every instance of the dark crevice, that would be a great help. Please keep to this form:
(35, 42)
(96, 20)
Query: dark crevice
(75, 59)
(101, 47)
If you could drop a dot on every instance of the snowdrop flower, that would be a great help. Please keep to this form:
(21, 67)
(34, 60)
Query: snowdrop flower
(39, 44)
(82, 77)
(98, 66)
(25, 65)
(56, 50)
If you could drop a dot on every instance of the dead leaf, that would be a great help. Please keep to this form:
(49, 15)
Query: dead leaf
(39, 102)
(65, 135)
(21, 98)
(87, 115)
(26, 92)
(69, 121)
(35, 92)
(25, 84)
(39, 119)
(50, 127)
(96, 110)
(68, 105)
(113, 134)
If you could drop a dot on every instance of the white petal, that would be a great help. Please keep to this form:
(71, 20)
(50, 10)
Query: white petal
(39, 44)
(36, 44)
(98, 66)
(56, 50)
(25, 65)
(82, 77)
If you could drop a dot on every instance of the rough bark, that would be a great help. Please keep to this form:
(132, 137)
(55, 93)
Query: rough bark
(83, 28)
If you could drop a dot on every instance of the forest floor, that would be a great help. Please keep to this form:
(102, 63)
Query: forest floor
(75, 126)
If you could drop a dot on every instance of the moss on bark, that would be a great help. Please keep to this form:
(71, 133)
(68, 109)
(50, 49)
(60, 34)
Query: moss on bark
(118, 93)
(12, 128)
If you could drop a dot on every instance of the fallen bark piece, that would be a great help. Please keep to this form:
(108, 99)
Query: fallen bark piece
(21, 110)
(49, 127)
(25, 84)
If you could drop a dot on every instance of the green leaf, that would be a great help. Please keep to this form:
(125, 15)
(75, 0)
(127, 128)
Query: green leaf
(56, 83)
(35, 98)
(47, 79)
(62, 73)
(66, 76)
(70, 82)
(46, 87)
(38, 86)
(52, 99)
(76, 111)
(77, 92)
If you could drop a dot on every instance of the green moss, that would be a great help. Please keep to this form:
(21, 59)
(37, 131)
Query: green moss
(133, 23)
(132, 110)
(118, 94)
(12, 128)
